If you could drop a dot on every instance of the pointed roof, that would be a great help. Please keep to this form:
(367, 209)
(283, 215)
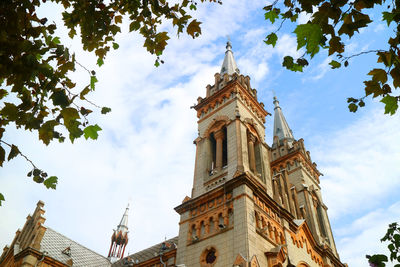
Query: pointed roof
(123, 225)
(281, 127)
(229, 65)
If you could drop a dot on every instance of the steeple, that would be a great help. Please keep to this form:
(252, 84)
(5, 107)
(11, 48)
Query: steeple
(119, 238)
(229, 64)
(281, 127)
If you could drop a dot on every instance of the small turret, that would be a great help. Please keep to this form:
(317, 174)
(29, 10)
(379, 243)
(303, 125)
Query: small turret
(282, 130)
(119, 238)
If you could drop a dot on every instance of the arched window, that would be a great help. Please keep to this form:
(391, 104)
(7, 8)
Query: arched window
(230, 217)
(320, 218)
(202, 229)
(218, 146)
(211, 226)
(221, 221)
(255, 152)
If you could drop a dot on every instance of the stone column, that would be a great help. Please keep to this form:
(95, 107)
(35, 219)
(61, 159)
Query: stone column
(252, 157)
(296, 202)
(290, 199)
(239, 145)
(276, 190)
(219, 137)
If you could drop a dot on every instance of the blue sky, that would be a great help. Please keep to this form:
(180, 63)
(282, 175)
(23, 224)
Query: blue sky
(145, 153)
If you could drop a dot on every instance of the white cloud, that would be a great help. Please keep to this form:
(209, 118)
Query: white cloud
(362, 237)
(361, 176)
(304, 18)
(319, 71)
(360, 164)
(287, 46)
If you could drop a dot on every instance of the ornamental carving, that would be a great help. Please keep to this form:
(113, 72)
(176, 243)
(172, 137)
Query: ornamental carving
(303, 239)
(210, 217)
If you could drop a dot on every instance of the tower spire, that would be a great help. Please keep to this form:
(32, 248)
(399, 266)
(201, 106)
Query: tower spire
(229, 65)
(119, 238)
(281, 127)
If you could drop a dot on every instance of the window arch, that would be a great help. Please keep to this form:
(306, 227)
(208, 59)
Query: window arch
(217, 148)
(255, 151)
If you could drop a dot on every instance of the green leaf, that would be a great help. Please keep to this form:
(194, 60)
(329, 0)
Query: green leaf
(378, 75)
(69, 115)
(105, 110)
(9, 111)
(1, 198)
(290, 65)
(353, 107)
(310, 36)
(91, 131)
(56, 40)
(378, 259)
(193, 7)
(2, 155)
(115, 46)
(100, 62)
(46, 131)
(13, 152)
(85, 111)
(60, 98)
(36, 172)
(193, 29)
(271, 39)
(335, 45)
(334, 64)
(118, 19)
(74, 130)
(395, 73)
(38, 179)
(134, 26)
(84, 92)
(93, 80)
(391, 104)
(3, 93)
(272, 15)
(388, 16)
(51, 182)
(157, 63)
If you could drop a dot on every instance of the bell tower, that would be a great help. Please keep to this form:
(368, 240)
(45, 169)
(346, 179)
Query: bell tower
(244, 209)
(231, 130)
(289, 158)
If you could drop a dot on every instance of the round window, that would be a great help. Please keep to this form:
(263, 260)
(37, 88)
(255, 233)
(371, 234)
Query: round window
(209, 257)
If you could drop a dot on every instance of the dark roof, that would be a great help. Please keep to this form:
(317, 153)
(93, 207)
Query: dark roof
(55, 243)
(149, 253)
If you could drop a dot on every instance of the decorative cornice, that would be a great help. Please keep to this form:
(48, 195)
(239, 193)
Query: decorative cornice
(232, 86)
(290, 157)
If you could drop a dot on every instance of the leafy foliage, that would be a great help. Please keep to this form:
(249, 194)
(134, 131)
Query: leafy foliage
(393, 237)
(330, 24)
(36, 90)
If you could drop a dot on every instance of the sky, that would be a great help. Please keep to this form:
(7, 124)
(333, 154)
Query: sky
(145, 153)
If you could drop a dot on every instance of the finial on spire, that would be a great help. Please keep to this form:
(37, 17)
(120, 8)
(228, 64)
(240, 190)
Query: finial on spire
(229, 65)
(276, 102)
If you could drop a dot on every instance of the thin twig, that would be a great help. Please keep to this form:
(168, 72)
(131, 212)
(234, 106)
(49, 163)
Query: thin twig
(361, 53)
(19, 152)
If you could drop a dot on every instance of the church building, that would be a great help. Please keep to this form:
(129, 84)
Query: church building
(251, 205)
